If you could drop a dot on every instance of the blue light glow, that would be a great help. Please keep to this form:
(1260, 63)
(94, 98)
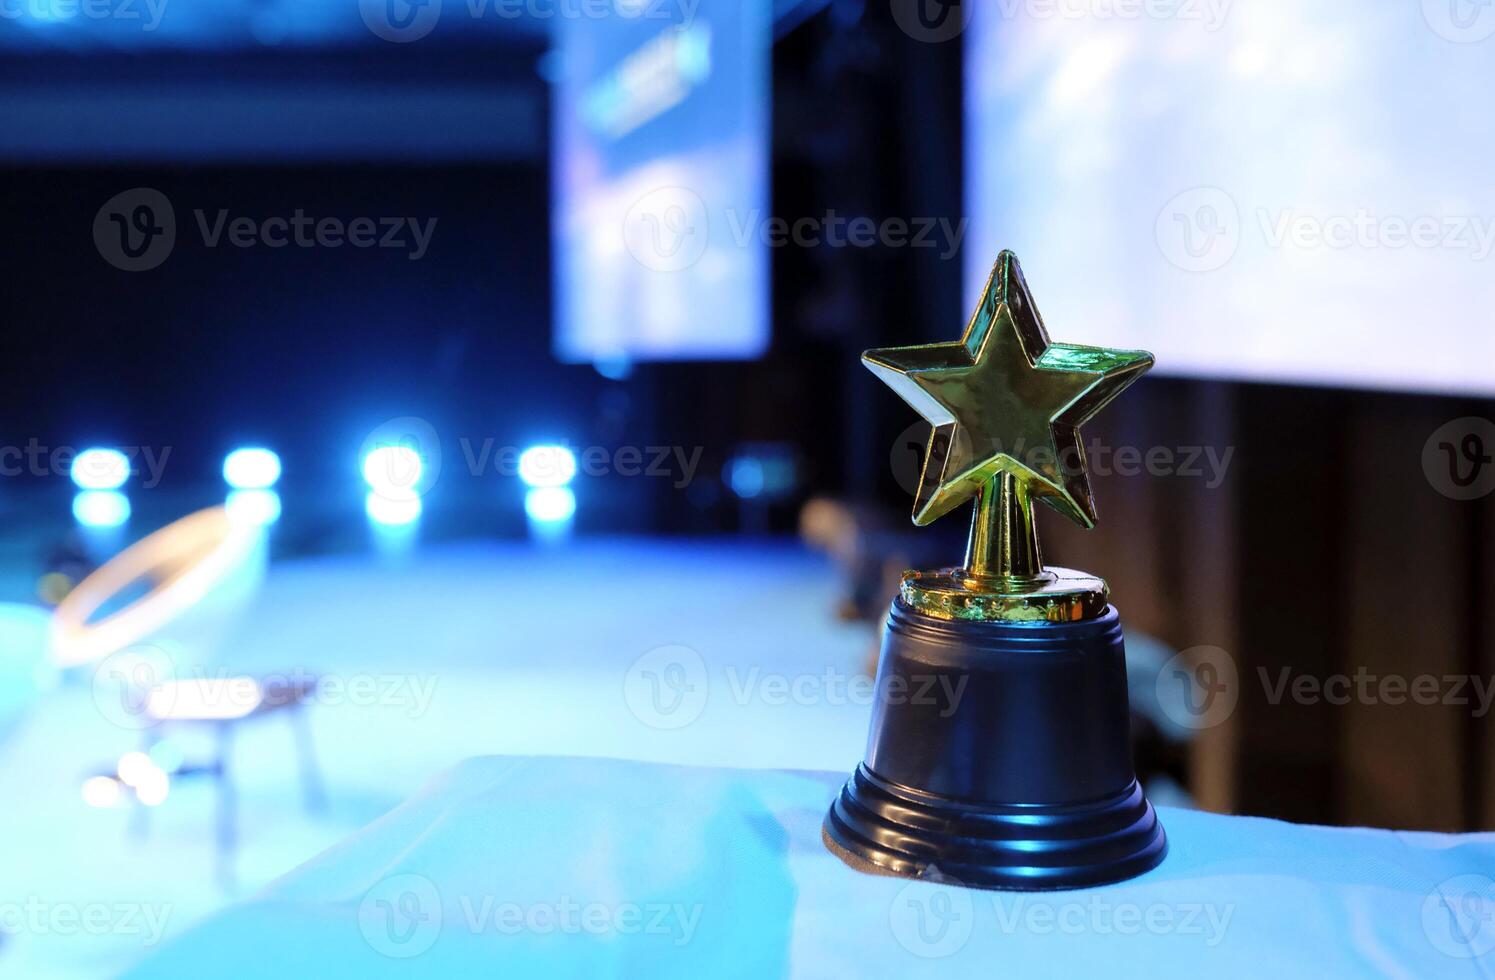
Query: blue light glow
(765, 471)
(100, 469)
(547, 466)
(256, 507)
(394, 472)
(550, 505)
(745, 476)
(167, 755)
(615, 368)
(101, 508)
(251, 469)
(392, 513)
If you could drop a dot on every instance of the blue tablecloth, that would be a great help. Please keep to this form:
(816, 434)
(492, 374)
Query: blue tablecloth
(523, 867)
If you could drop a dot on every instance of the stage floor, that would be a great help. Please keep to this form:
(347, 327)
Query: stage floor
(710, 653)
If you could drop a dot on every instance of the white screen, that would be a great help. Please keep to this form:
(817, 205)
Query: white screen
(1283, 190)
(661, 141)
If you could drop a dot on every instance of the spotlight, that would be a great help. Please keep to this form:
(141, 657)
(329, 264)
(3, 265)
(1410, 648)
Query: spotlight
(100, 469)
(101, 508)
(393, 472)
(153, 787)
(251, 469)
(259, 508)
(134, 768)
(547, 466)
(766, 470)
(615, 368)
(745, 477)
(550, 505)
(390, 512)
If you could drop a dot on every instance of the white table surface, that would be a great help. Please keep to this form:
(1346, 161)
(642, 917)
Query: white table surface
(529, 866)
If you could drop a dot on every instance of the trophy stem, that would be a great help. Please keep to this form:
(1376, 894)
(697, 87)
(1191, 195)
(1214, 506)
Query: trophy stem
(1003, 546)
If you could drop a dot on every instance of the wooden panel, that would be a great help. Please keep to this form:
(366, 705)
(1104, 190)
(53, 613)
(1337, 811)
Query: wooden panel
(1324, 496)
(1408, 551)
(1167, 537)
(1481, 764)
(1204, 569)
(1290, 462)
(1122, 548)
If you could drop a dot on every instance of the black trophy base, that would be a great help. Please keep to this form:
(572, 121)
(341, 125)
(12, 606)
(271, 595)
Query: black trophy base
(999, 757)
(879, 827)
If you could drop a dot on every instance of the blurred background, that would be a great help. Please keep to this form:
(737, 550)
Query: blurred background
(518, 341)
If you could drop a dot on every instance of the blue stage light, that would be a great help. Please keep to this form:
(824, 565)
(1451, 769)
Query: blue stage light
(251, 469)
(391, 513)
(745, 476)
(762, 470)
(101, 508)
(254, 507)
(100, 469)
(394, 472)
(614, 368)
(547, 466)
(550, 505)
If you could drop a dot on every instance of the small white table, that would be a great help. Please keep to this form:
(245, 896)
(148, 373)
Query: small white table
(222, 705)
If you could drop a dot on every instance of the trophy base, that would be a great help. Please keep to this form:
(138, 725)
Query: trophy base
(999, 757)
(881, 828)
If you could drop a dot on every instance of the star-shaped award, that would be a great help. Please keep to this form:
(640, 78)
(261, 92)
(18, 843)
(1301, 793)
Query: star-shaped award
(1026, 780)
(1006, 405)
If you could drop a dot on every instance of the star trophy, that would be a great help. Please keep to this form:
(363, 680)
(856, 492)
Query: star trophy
(1017, 773)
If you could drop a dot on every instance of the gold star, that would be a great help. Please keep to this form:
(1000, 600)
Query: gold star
(1004, 399)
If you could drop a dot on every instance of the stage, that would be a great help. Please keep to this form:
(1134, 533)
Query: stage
(641, 649)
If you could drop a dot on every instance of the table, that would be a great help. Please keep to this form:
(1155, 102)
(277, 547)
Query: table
(222, 705)
(529, 866)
